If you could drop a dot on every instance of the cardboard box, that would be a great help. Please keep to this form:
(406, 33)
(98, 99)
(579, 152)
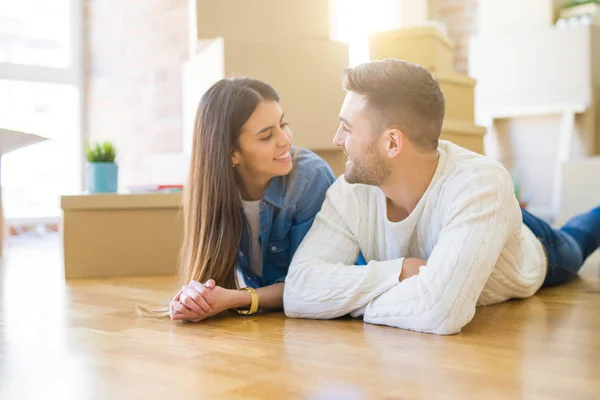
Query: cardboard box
(9, 141)
(425, 46)
(459, 92)
(262, 19)
(112, 235)
(465, 134)
(311, 99)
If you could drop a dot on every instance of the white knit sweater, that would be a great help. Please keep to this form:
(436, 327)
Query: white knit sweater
(468, 226)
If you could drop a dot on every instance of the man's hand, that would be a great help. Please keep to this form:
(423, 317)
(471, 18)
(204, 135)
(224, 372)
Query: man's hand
(410, 267)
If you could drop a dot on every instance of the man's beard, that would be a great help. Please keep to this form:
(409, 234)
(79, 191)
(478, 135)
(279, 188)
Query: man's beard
(367, 170)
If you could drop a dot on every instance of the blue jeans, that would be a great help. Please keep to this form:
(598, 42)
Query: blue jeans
(568, 247)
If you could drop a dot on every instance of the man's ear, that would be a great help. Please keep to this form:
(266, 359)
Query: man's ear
(394, 141)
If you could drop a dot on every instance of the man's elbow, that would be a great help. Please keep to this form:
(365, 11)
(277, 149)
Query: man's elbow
(449, 324)
(448, 329)
(294, 302)
(423, 324)
(429, 321)
(291, 303)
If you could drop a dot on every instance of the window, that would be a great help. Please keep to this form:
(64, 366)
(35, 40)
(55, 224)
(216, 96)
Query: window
(40, 93)
(35, 32)
(33, 178)
(354, 20)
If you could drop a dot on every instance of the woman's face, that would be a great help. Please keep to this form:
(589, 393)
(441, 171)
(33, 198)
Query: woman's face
(265, 143)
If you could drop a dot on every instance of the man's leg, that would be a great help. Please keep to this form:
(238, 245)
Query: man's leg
(585, 229)
(568, 247)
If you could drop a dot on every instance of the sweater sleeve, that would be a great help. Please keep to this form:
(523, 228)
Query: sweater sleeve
(482, 211)
(322, 281)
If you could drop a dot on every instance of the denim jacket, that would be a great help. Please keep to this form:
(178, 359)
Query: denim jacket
(287, 211)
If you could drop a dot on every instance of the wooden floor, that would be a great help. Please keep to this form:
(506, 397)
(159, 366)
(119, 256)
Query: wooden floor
(83, 340)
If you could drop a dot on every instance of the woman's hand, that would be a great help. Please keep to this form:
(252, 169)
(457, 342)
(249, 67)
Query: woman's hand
(193, 303)
(197, 301)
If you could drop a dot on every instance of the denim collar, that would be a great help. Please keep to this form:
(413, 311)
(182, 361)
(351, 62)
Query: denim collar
(274, 193)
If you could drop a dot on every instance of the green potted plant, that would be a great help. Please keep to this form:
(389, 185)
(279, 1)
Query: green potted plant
(576, 3)
(102, 171)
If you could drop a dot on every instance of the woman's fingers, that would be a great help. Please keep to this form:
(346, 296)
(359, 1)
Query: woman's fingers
(204, 291)
(210, 284)
(183, 313)
(195, 300)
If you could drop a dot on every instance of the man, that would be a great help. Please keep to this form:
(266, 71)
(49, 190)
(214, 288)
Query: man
(440, 226)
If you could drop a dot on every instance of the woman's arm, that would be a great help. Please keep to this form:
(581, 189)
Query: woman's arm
(269, 298)
(196, 298)
(197, 301)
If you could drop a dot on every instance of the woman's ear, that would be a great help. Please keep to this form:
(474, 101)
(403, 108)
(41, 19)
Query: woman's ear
(236, 158)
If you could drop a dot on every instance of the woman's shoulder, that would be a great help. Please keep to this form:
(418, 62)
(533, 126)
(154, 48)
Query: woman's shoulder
(311, 174)
(308, 164)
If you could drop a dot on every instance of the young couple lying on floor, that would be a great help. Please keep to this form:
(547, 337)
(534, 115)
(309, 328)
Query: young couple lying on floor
(415, 234)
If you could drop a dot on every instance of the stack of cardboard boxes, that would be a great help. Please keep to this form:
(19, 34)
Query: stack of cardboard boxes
(429, 47)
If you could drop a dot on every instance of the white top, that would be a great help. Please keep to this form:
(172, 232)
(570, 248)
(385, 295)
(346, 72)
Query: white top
(468, 226)
(252, 212)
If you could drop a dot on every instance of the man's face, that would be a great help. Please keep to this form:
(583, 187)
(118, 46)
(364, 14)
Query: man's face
(362, 142)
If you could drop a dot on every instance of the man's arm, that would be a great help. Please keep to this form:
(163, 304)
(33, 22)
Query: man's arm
(322, 281)
(442, 298)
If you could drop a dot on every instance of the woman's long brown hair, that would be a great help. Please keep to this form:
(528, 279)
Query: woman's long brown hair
(211, 202)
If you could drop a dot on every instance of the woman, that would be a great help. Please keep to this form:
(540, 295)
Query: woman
(248, 203)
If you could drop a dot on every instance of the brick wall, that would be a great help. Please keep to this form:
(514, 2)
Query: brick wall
(460, 18)
(135, 50)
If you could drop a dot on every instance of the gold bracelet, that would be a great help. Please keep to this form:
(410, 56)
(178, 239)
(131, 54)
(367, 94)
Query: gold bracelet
(253, 305)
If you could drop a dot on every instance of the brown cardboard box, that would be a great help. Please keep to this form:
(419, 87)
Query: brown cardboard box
(9, 141)
(306, 73)
(430, 48)
(464, 134)
(111, 235)
(459, 92)
(425, 46)
(262, 19)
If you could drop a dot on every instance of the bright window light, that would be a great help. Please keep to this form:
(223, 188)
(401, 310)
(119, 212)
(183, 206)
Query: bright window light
(353, 20)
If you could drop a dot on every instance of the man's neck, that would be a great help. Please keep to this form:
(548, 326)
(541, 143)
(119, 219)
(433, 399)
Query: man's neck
(408, 183)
